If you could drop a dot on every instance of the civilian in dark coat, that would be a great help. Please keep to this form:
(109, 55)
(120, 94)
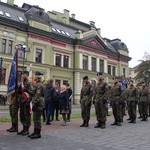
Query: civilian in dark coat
(64, 103)
(56, 101)
(70, 102)
(49, 98)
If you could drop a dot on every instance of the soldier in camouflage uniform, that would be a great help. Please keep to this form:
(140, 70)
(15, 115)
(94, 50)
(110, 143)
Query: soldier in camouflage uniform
(24, 95)
(37, 106)
(143, 99)
(116, 100)
(132, 98)
(13, 109)
(149, 101)
(86, 100)
(123, 103)
(100, 101)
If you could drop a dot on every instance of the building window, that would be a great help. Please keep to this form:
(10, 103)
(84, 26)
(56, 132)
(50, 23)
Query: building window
(109, 69)
(85, 62)
(114, 71)
(124, 72)
(58, 60)
(3, 75)
(101, 65)
(58, 81)
(38, 56)
(3, 45)
(10, 46)
(66, 61)
(20, 53)
(65, 82)
(93, 64)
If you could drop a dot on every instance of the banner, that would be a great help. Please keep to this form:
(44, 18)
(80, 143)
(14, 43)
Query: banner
(123, 84)
(12, 76)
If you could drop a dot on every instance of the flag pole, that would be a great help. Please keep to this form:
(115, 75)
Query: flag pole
(16, 90)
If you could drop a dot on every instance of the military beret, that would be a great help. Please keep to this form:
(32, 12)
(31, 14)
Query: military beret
(25, 72)
(85, 78)
(99, 73)
(37, 73)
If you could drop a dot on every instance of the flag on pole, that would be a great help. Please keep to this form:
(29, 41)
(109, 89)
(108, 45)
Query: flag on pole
(12, 76)
(123, 84)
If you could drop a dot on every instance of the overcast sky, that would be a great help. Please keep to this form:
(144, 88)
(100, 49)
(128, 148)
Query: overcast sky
(128, 20)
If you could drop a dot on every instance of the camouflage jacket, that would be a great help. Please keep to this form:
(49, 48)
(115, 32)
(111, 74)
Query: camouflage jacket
(132, 94)
(27, 88)
(116, 92)
(38, 98)
(100, 92)
(86, 93)
(144, 94)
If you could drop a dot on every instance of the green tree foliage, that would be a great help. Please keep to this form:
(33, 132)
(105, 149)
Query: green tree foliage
(143, 69)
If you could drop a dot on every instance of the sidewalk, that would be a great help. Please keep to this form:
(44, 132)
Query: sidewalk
(72, 137)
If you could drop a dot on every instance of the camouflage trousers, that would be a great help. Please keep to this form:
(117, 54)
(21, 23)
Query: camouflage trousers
(149, 109)
(37, 118)
(140, 108)
(116, 111)
(132, 110)
(13, 110)
(25, 115)
(144, 109)
(101, 111)
(85, 110)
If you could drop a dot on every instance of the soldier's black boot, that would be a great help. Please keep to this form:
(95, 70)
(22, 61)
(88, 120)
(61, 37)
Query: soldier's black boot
(68, 118)
(86, 123)
(82, 125)
(14, 129)
(98, 125)
(25, 132)
(118, 123)
(32, 133)
(103, 125)
(37, 134)
(115, 123)
(11, 127)
(21, 130)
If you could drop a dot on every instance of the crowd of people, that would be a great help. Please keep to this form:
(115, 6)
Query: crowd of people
(43, 100)
(49, 100)
(119, 95)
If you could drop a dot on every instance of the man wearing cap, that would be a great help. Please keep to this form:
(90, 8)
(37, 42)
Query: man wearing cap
(24, 95)
(85, 100)
(116, 99)
(37, 105)
(132, 99)
(100, 100)
(143, 99)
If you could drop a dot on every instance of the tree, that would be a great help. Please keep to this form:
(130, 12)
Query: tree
(143, 69)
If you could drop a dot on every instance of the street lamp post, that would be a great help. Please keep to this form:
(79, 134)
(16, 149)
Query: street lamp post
(1, 69)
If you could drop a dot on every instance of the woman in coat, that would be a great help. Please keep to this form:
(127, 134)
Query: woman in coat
(64, 103)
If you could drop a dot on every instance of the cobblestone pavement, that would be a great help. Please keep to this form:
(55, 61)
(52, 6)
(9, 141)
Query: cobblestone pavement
(72, 137)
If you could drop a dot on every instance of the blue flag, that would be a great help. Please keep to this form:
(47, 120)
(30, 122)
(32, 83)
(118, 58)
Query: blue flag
(123, 84)
(12, 76)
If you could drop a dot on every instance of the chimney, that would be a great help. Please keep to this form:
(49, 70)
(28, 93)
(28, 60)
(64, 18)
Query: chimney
(99, 31)
(92, 23)
(64, 19)
(11, 2)
(73, 16)
(66, 13)
(79, 34)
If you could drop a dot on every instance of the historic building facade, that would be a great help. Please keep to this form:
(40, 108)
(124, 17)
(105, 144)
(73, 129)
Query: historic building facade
(59, 46)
